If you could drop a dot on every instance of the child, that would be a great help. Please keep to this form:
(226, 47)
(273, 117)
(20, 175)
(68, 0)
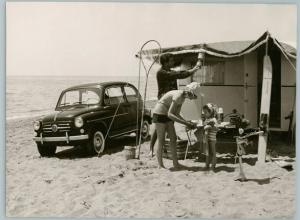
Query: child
(210, 133)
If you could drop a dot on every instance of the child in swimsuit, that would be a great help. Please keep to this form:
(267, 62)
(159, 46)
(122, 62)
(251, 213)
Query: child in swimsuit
(210, 133)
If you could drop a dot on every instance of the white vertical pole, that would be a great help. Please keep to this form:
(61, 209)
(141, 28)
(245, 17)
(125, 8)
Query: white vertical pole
(265, 106)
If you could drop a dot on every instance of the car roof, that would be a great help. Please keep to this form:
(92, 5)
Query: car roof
(97, 85)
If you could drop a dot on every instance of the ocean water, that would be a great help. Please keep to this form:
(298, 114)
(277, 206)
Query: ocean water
(30, 96)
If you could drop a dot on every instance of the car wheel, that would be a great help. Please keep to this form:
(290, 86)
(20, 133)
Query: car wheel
(46, 150)
(97, 143)
(145, 130)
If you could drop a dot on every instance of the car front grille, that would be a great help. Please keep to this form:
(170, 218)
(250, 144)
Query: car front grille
(62, 126)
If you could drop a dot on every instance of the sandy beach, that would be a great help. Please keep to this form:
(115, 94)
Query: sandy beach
(74, 185)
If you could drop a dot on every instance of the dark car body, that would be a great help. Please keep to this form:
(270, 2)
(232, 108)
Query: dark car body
(89, 114)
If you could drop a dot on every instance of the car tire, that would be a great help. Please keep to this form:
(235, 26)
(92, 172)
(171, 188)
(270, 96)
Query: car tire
(145, 130)
(46, 150)
(96, 144)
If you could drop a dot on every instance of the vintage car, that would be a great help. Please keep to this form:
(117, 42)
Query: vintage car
(86, 115)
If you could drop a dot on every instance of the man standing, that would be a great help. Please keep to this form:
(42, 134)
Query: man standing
(167, 81)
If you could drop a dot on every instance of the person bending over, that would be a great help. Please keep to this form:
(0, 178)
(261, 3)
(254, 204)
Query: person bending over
(165, 113)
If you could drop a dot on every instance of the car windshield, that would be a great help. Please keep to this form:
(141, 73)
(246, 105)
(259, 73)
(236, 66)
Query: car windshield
(79, 97)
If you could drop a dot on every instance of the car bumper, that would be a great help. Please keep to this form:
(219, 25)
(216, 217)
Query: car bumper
(66, 139)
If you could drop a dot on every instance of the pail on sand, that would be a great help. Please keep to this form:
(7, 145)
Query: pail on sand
(180, 149)
(129, 152)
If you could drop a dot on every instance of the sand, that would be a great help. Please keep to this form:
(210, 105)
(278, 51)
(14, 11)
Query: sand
(74, 185)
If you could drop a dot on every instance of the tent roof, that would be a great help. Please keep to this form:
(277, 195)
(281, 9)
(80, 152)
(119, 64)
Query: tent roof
(237, 46)
(223, 49)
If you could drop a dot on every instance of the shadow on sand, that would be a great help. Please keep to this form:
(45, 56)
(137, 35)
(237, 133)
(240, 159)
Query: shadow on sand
(203, 169)
(113, 146)
(278, 147)
(228, 159)
(259, 181)
(231, 160)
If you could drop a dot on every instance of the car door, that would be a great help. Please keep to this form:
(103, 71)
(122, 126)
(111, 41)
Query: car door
(132, 96)
(114, 101)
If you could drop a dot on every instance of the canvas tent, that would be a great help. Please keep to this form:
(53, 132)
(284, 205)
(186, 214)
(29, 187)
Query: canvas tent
(222, 49)
(231, 76)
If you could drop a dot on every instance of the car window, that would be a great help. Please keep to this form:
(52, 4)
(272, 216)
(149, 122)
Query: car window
(70, 98)
(79, 97)
(90, 97)
(130, 93)
(113, 95)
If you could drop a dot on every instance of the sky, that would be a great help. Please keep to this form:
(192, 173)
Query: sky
(94, 38)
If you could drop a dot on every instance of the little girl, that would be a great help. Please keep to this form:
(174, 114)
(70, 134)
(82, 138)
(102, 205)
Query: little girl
(210, 133)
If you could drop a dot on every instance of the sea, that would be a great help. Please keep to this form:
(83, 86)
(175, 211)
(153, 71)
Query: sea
(32, 96)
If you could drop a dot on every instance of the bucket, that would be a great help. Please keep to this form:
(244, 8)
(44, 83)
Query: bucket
(180, 149)
(129, 152)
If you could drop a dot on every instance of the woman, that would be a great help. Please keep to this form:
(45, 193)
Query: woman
(165, 113)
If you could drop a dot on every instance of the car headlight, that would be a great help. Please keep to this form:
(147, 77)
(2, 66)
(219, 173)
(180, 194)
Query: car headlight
(36, 125)
(78, 122)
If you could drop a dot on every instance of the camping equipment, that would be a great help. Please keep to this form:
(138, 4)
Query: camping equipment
(180, 149)
(129, 152)
(220, 115)
(248, 52)
(189, 143)
(242, 142)
(141, 62)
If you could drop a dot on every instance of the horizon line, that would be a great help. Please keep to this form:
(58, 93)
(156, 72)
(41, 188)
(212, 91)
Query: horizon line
(70, 75)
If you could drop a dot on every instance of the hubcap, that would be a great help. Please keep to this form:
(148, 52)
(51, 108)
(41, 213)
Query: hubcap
(98, 142)
(145, 129)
